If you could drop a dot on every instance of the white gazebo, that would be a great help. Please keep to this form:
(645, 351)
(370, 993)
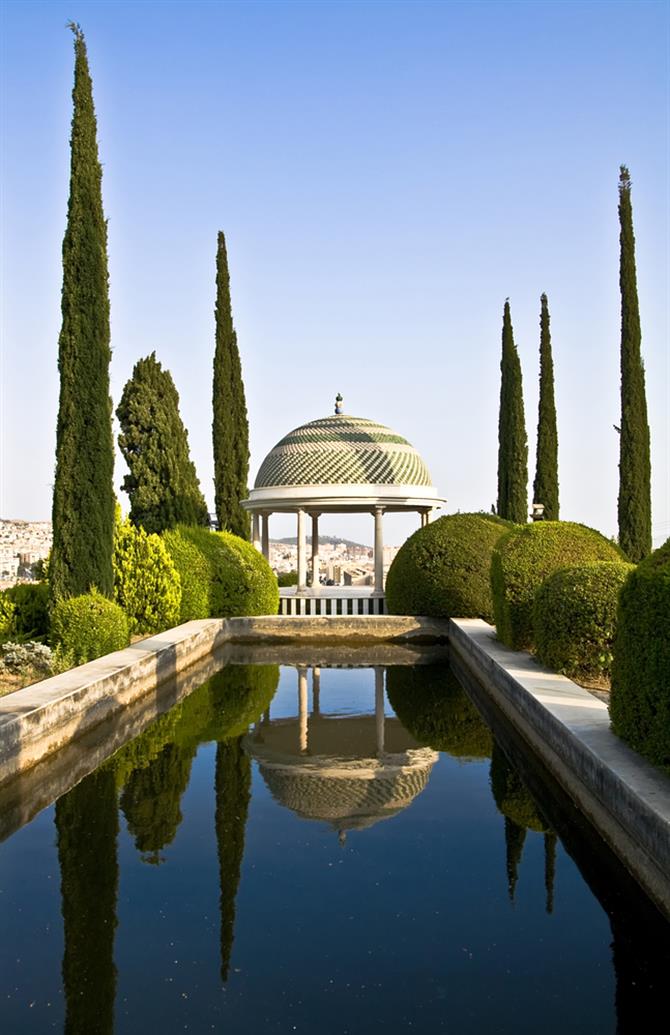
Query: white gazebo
(338, 465)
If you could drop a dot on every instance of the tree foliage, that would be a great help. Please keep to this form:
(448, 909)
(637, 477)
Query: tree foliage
(162, 485)
(545, 486)
(230, 428)
(634, 505)
(83, 500)
(512, 440)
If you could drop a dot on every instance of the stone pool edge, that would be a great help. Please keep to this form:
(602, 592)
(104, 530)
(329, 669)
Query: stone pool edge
(625, 798)
(38, 720)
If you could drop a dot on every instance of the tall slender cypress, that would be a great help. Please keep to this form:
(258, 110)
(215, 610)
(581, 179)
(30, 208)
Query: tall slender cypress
(512, 441)
(634, 506)
(230, 428)
(545, 486)
(83, 500)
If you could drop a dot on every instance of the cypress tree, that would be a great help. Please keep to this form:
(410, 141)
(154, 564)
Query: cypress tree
(512, 441)
(634, 506)
(151, 800)
(545, 486)
(230, 428)
(83, 499)
(162, 485)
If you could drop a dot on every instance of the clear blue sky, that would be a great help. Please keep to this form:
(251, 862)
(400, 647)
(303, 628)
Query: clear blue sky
(386, 174)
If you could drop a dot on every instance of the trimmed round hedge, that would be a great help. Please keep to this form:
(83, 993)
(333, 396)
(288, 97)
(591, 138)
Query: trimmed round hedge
(88, 626)
(525, 557)
(443, 569)
(432, 706)
(640, 697)
(221, 575)
(574, 618)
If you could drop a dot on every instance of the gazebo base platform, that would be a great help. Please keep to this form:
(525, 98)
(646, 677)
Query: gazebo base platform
(331, 600)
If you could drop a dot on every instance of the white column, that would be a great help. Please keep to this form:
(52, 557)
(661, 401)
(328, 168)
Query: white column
(265, 534)
(429, 516)
(255, 531)
(315, 551)
(302, 710)
(302, 566)
(379, 708)
(379, 551)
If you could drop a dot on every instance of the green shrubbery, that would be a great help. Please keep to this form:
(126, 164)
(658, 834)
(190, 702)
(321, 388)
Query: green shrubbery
(221, 575)
(443, 569)
(434, 708)
(31, 610)
(88, 626)
(574, 618)
(640, 698)
(146, 583)
(525, 557)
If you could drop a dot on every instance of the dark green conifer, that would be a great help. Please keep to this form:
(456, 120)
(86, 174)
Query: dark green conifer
(512, 441)
(545, 486)
(163, 486)
(230, 428)
(87, 826)
(83, 500)
(634, 506)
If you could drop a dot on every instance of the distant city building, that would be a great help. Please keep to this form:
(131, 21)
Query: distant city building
(22, 545)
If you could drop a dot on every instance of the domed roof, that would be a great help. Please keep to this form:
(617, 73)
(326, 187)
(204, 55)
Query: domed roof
(342, 450)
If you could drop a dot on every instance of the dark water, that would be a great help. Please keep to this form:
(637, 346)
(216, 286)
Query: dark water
(367, 858)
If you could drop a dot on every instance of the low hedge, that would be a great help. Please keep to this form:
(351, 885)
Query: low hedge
(640, 697)
(525, 557)
(221, 575)
(432, 706)
(443, 569)
(88, 626)
(30, 620)
(574, 618)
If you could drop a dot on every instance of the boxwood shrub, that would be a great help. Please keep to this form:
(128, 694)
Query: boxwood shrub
(524, 557)
(640, 697)
(443, 569)
(574, 618)
(88, 626)
(146, 583)
(221, 574)
(434, 708)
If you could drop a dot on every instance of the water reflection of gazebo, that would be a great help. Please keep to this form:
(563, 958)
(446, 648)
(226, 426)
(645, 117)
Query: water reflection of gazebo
(350, 771)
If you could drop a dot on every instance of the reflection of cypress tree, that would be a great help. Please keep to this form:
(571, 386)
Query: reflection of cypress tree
(549, 868)
(87, 825)
(516, 803)
(232, 785)
(515, 837)
(151, 800)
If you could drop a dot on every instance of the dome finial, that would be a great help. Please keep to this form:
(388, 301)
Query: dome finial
(338, 405)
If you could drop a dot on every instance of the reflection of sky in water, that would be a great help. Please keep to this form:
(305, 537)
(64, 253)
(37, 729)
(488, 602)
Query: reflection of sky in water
(407, 926)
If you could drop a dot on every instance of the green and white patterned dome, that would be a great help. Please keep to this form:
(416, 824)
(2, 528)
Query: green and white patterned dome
(342, 450)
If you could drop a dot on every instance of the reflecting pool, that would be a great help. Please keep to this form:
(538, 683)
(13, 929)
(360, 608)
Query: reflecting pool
(332, 850)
